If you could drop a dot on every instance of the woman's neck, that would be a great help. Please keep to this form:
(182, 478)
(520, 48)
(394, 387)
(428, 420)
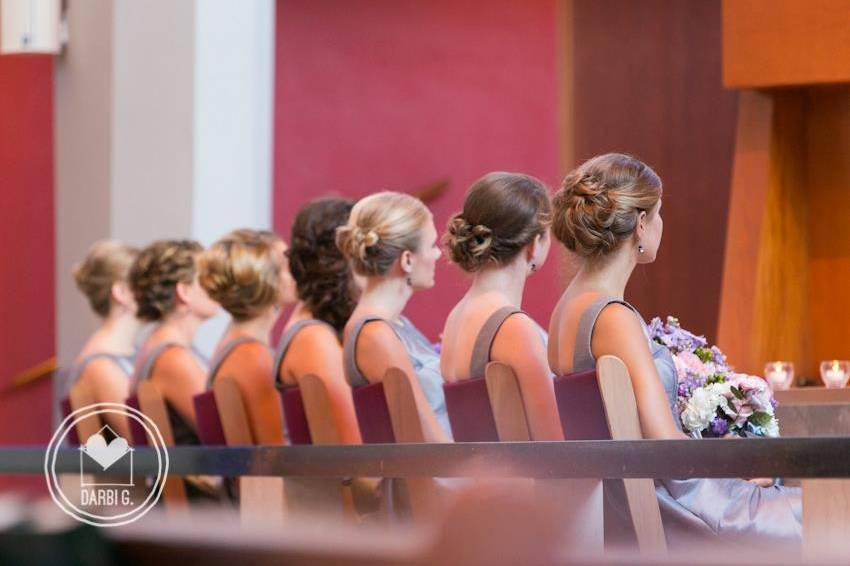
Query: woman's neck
(259, 327)
(385, 296)
(508, 281)
(117, 333)
(300, 312)
(609, 275)
(180, 328)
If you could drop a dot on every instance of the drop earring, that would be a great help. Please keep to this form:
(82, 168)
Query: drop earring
(533, 267)
(409, 281)
(640, 249)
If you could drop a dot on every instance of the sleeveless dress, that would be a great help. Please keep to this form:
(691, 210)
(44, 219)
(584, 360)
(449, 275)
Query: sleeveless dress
(423, 357)
(223, 354)
(286, 340)
(184, 434)
(484, 341)
(733, 510)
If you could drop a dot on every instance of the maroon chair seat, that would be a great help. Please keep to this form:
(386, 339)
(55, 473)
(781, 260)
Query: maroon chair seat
(470, 414)
(580, 406)
(137, 431)
(373, 415)
(295, 416)
(65, 407)
(210, 431)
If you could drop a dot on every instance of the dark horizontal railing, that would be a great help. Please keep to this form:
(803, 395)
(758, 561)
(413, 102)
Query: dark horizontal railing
(786, 457)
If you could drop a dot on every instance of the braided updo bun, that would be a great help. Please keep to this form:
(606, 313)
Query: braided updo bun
(598, 204)
(157, 271)
(380, 227)
(502, 214)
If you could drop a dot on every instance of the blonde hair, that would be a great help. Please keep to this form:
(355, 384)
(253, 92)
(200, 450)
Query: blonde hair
(599, 202)
(106, 263)
(379, 228)
(157, 271)
(241, 272)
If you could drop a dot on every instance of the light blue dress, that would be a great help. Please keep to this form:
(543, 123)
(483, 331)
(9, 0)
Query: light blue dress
(732, 510)
(423, 357)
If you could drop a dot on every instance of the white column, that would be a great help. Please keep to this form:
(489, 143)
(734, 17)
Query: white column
(163, 129)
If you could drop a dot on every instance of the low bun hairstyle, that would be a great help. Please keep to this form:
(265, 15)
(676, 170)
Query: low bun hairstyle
(106, 263)
(241, 272)
(157, 271)
(502, 214)
(598, 204)
(379, 228)
(321, 272)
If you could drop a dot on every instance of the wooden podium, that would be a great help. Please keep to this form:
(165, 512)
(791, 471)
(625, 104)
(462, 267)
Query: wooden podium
(786, 280)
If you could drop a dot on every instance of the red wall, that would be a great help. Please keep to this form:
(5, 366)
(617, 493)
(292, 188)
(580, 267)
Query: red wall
(394, 95)
(26, 246)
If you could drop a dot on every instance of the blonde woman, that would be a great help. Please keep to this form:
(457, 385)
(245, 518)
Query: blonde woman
(247, 274)
(608, 213)
(501, 238)
(390, 240)
(164, 279)
(103, 367)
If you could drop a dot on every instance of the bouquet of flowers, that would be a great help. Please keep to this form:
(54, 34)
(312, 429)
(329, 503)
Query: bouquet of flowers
(713, 400)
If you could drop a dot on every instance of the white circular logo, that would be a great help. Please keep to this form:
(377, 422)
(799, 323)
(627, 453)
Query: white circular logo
(104, 499)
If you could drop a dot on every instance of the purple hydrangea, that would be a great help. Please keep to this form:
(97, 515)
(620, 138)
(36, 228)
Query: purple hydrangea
(719, 426)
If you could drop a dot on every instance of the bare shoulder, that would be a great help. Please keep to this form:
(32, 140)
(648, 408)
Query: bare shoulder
(617, 329)
(177, 362)
(102, 369)
(251, 352)
(316, 339)
(376, 336)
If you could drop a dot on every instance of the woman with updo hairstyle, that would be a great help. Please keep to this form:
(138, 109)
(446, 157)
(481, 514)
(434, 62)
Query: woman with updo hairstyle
(608, 213)
(390, 240)
(327, 293)
(246, 273)
(164, 279)
(102, 369)
(501, 238)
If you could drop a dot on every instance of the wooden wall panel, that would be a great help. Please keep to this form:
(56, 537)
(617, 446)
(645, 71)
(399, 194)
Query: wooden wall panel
(785, 42)
(648, 82)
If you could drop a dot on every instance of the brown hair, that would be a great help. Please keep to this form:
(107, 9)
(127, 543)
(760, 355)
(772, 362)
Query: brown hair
(106, 263)
(241, 272)
(502, 213)
(379, 228)
(598, 204)
(322, 274)
(157, 271)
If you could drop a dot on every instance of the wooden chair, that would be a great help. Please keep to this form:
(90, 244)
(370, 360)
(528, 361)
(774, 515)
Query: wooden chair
(584, 399)
(152, 404)
(579, 501)
(470, 413)
(261, 499)
(210, 431)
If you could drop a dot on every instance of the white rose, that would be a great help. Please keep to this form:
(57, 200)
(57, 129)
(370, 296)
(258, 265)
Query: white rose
(702, 407)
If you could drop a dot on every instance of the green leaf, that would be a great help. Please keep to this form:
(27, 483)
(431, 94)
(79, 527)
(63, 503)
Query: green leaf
(760, 418)
(704, 354)
(737, 393)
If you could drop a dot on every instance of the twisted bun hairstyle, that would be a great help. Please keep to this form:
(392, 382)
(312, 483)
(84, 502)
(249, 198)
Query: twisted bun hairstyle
(502, 214)
(157, 271)
(379, 228)
(106, 263)
(241, 272)
(322, 274)
(598, 204)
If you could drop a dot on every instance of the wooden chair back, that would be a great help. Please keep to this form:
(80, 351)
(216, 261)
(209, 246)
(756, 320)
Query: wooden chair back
(506, 403)
(618, 397)
(152, 404)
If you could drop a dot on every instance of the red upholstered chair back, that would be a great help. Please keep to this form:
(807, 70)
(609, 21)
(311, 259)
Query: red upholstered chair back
(373, 415)
(65, 407)
(580, 406)
(137, 431)
(295, 416)
(470, 414)
(210, 431)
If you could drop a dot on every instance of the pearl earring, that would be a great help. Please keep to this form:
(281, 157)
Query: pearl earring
(533, 267)
(640, 249)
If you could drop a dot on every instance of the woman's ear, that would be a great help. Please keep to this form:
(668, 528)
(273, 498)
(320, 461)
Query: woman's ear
(181, 290)
(641, 225)
(121, 293)
(406, 261)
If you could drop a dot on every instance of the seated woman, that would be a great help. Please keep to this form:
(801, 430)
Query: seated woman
(501, 237)
(164, 279)
(246, 273)
(608, 212)
(390, 240)
(310, 343)
(103, 367)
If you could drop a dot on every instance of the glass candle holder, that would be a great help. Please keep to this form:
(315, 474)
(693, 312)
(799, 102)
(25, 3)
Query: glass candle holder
(835, 373)
(780, 375)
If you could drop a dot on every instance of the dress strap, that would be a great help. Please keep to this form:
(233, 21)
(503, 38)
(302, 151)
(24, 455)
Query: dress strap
(349, 351)
(222, 355)
(486, 337)
(286, 340)
(583, 359)
(145, 369)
